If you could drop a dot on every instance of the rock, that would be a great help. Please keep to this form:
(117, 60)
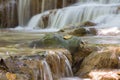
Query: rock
(11, 76)
(104, 75)
(67, 37)
(78, 57)
(88, 23)
(35, 66)
(3, 66)
(92, 31)
(71, 43)
(78, 32)
(107, 58)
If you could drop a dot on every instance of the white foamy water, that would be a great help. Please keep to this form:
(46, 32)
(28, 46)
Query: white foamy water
(108, 20)
(37, 21)
(108, 24)
(109, 31)
(100, 1)
(25, 29)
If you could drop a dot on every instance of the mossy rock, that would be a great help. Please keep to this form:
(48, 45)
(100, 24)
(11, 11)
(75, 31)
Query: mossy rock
(57, 41)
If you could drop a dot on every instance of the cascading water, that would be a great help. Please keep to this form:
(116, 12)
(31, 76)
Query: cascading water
(108, 24)
(24, 12)
(28, 8)
(54, 65)
(82, 13)
(45, 65)
(73, 15)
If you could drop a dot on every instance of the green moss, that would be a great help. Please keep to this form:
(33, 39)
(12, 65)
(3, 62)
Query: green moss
(57, 41)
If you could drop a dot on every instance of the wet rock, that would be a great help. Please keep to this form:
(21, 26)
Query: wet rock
(45, 20)
(104, 75)
(92, 31)
(57, 41)
(3, 66)
(78, 32)
(106, 58)
(88, 23)
(55, 64)
(79, 56)
(11, 76)
(67, 37)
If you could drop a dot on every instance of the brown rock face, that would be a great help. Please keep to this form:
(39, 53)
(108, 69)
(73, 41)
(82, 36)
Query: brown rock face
(107, 58)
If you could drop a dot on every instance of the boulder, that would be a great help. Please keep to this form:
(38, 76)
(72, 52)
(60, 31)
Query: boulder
(79, 56)
(79, 49)
(88, 23)
(78, 32)
(106, 58)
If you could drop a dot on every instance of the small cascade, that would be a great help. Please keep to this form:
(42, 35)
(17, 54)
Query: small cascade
(28, 8)
(45, 65)
(47, 75)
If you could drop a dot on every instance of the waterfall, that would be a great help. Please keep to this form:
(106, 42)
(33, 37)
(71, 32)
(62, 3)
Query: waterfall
(47, 72)
(24, 12)
(82, 13)
(73, 15)
(91, 10)
(44, 65)
(28, 8)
